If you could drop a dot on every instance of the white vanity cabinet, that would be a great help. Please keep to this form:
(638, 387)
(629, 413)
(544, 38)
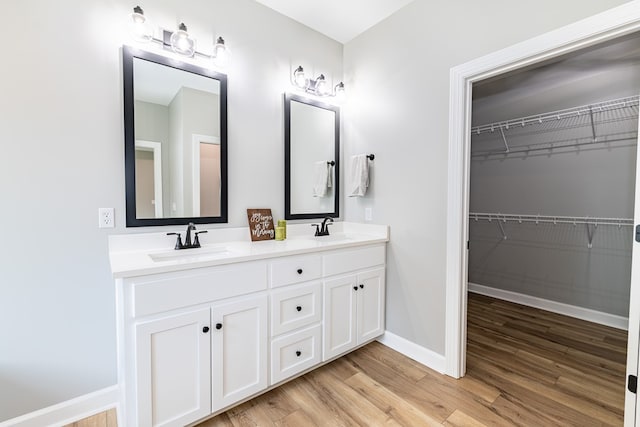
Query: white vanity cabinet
(194, 363)
(172, 365)
(196, 337)
(296, 315)
(353, 303)
(192, 342)
(238, 350)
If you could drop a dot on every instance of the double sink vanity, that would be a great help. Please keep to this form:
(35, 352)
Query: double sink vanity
(201, 330)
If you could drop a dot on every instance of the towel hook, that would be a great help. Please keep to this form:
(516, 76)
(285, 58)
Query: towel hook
(331, 163)
(371, 156)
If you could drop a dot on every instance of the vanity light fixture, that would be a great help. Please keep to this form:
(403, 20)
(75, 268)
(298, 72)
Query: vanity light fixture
(179, 41)
(139, 26)
(318, 86)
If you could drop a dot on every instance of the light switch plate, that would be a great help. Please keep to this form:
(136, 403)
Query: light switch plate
(106, 218)
(368, 214)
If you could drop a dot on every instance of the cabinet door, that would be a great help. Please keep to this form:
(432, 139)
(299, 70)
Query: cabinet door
(239, 350)
(371, 297)
(339, 333)
(173, 369)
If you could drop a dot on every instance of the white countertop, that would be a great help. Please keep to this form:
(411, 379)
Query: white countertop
(133, 254)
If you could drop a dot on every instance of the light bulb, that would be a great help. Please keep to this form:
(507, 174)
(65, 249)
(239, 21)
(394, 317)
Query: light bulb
(298, 77)
(221, 54)
(339, 92)
(139, 26)
(321, 85)
(181, 42)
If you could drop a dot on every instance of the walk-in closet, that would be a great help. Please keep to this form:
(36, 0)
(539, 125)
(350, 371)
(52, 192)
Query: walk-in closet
(552, 191)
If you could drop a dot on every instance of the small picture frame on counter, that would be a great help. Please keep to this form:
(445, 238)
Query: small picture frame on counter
(261, 224)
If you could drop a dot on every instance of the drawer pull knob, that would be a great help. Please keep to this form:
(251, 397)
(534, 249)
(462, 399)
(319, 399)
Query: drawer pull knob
(299, 271)
(361, 286)
(299, 308)
(355, 288)
(298, 353)
(218, 326)
(205, 329)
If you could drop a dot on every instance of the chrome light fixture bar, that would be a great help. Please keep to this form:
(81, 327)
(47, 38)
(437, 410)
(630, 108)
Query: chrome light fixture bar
(318, 86)
(179, 41)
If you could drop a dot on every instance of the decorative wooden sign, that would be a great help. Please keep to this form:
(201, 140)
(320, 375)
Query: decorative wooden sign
(261, 224)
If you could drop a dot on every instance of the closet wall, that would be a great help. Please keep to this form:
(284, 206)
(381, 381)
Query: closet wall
(554, 168)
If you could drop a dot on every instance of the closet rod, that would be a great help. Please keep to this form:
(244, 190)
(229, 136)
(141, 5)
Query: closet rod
(631, 101)
(575, 220)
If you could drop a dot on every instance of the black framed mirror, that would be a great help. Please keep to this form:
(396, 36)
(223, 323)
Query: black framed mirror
(311, 157)
(175, 132)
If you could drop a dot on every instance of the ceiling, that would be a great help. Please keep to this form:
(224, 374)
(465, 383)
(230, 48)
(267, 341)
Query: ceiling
(342, 20)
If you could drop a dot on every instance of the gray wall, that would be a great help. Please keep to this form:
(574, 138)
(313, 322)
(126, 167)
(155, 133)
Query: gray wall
(398, 79)
(61, 107)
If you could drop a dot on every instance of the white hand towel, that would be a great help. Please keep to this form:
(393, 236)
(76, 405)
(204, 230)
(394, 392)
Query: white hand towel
(359, 175)
(321, 179)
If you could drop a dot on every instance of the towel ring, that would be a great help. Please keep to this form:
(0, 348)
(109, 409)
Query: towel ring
(371, 156)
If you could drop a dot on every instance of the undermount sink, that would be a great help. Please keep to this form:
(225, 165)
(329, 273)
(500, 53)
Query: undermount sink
(332, 238)
(190, 254)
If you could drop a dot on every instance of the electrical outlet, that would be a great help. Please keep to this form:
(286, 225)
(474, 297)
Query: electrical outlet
(106, 218)
(368, 214)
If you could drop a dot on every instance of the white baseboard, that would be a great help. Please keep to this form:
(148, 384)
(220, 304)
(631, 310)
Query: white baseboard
(413, 351)
(553, 306)
(69, 411)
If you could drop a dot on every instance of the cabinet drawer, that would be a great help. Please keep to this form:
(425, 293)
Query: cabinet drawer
(295, 307)
(163, 292)
(355, 259)
(295, 269)
(294, 353)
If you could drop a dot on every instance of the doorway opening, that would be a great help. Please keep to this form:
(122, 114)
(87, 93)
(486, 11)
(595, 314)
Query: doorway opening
(611, 25)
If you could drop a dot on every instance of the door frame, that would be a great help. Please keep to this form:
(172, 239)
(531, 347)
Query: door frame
(156, 148)
(609, 25)
(196, 140)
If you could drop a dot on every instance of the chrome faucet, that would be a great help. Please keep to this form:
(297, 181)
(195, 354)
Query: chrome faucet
(323, 229)
(187, 241)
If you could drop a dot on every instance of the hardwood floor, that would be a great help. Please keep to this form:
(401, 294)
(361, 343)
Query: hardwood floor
(103, 419)
(525, 367)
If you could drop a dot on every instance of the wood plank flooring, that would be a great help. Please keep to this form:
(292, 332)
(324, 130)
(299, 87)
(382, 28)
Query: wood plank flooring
(103, 419)
(525, 367)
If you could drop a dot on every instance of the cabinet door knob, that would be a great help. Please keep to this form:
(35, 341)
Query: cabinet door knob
(298, 353)
(361, 286)
(355, 288)
(218, 326)
(205, 329)
(299, 308)
(299, 271)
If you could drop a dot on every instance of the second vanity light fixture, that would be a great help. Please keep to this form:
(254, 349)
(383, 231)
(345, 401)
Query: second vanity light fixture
(318, 86)
(179, 41)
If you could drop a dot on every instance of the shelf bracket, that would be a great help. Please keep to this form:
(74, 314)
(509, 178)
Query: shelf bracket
(591, 229)
(504, 235)
(504, 139)
(593, 126)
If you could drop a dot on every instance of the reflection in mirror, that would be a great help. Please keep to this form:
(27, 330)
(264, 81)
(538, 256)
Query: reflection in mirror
(175, 141)
(312, 154)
